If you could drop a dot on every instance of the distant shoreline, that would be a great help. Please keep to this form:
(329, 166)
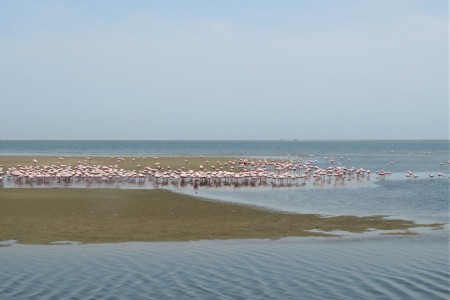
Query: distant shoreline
(231, 140)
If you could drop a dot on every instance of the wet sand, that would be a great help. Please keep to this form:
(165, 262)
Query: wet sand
(128, 162)
(46, 215)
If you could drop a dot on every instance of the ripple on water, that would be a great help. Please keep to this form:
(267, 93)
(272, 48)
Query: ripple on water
(344, 268)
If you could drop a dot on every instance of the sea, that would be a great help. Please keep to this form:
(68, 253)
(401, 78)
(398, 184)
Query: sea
(370, 265)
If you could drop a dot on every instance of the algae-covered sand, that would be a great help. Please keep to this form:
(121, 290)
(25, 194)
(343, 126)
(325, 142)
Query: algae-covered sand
(42, 216)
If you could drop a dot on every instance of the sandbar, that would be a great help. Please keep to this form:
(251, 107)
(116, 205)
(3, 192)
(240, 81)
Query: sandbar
(47, 215)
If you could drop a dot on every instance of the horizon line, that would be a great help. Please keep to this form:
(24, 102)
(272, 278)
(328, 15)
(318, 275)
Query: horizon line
(236, 140)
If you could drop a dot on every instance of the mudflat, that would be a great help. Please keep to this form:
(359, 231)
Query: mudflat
(127, 163)
(46, 215)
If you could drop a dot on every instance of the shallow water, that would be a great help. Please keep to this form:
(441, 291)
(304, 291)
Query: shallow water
(295, 268)
(424, 200)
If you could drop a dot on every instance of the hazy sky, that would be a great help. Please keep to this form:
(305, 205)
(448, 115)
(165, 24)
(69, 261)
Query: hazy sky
(350, 69)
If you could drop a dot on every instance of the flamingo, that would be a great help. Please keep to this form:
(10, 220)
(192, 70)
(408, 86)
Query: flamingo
(250, 173)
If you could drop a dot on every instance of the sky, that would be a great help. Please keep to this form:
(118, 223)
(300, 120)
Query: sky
(224, 70)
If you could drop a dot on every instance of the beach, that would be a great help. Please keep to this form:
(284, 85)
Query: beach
(108, 215)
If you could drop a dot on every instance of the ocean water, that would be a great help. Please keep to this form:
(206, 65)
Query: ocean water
(242, 148)
(352, 266)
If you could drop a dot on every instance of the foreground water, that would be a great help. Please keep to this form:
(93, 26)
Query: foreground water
(350, 268)
(364, 266)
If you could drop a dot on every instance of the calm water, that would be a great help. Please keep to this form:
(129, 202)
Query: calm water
(238, 148)
(360, 268)
(364, 266)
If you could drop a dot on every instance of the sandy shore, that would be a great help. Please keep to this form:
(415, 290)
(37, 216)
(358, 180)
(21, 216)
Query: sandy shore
(46, 215)
(42, 216)
(128, 163)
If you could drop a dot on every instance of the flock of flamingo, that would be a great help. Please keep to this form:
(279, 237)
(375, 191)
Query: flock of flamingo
(241, 172)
